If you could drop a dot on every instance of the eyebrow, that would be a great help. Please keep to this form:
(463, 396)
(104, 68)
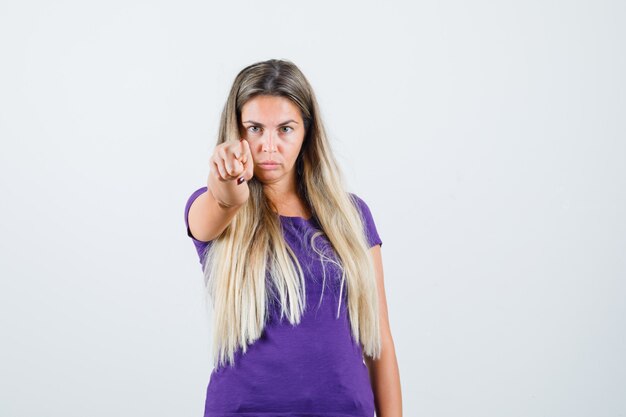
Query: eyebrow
(262, 125)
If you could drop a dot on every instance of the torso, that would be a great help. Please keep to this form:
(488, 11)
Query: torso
(312, 368)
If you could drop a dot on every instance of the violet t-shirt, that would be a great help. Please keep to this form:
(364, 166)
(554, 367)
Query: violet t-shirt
(312, 369)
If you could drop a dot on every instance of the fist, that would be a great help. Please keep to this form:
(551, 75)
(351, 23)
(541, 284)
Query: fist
(233, 160)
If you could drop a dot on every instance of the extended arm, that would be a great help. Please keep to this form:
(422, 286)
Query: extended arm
(211, 212)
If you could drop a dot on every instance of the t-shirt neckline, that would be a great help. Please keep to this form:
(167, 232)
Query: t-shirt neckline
(296, 217)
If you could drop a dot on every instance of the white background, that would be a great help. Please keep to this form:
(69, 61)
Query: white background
(487, 138)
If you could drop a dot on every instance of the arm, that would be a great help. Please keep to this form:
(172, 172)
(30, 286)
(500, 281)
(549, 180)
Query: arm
(211, 212)
(384, 373)
(208, 216)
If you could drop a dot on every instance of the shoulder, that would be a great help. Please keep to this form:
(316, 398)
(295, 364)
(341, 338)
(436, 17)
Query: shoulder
(201, 246)
(360, 204)
(193, 197)
(190, 201)
(369, 225)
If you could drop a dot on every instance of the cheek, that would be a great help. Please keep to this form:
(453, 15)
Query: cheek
(255, 146)
(255, 152)
(291, 151)
(297, 148)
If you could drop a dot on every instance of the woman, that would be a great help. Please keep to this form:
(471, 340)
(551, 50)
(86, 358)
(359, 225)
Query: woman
(292, 263)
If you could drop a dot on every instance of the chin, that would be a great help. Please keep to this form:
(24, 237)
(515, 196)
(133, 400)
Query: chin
(266, 177)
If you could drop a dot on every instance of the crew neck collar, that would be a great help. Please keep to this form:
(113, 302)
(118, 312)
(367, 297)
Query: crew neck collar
(295, 218)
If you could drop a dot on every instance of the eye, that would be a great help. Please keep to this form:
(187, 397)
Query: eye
(253, 127)
(286, 127)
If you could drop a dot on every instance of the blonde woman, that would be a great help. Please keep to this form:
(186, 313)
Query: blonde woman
(292, 263)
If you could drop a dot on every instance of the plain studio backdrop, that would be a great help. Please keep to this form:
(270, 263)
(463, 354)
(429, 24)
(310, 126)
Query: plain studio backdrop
(488, 139)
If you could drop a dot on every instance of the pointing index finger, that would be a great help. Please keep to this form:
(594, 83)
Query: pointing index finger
(245, 149)
(240, 180)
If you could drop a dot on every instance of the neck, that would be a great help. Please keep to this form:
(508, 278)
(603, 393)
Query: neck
(282, 193)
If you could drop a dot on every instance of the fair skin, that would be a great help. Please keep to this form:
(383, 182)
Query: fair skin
(384, 372)
(273, 131)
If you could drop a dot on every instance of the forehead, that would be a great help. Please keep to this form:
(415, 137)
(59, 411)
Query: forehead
(270, 109)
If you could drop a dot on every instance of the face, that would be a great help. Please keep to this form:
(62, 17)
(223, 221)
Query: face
(274, 128)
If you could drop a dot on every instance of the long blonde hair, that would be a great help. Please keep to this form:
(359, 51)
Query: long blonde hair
(249, 263)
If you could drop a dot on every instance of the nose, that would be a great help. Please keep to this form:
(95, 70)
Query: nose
(268, 143)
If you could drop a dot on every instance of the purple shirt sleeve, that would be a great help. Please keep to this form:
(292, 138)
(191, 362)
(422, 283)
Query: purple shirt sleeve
(200, 245)
(370, 227)
(368, 221)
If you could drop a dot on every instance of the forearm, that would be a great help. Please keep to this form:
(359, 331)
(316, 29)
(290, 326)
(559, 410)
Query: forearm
(227, 193)
(385, 380)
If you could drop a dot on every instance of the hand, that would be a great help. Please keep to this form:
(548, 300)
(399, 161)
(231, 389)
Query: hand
(233, 160)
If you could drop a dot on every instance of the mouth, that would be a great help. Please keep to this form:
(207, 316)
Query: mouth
(268, 166)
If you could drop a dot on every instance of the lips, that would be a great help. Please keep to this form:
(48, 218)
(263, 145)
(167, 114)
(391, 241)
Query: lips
(269, 166)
